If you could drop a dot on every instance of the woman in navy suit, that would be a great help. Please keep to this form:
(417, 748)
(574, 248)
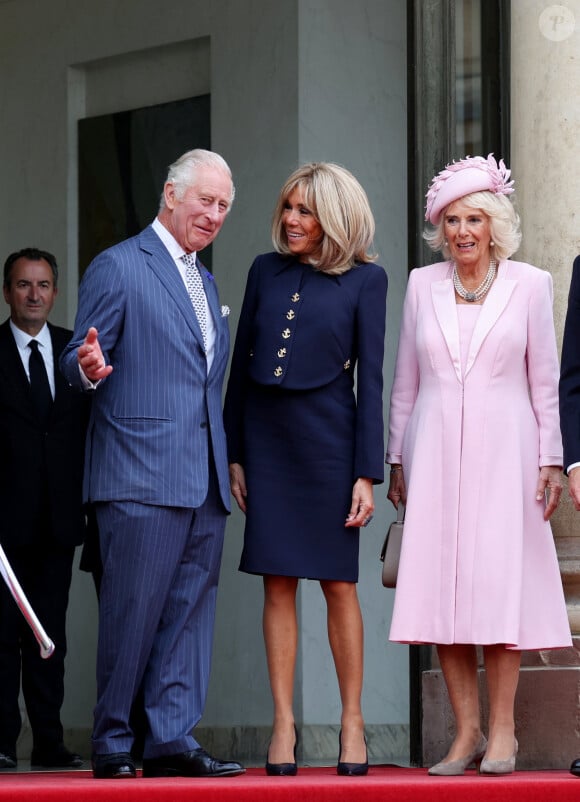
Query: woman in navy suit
(304, 451)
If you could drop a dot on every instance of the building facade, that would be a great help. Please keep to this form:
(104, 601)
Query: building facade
(390, 89)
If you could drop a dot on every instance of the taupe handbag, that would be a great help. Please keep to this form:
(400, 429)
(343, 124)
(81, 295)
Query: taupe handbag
(391, 550)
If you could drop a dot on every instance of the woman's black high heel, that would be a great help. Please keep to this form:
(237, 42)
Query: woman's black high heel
(351, 769)
(283, 769)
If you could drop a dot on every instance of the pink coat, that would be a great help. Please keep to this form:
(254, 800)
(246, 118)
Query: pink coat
(478, 563)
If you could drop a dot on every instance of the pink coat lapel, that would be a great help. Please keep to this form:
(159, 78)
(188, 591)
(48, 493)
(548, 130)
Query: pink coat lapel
(443, 296)
(494, 305)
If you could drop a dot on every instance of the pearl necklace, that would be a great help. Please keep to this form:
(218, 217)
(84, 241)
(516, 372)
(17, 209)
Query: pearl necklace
(474, 295)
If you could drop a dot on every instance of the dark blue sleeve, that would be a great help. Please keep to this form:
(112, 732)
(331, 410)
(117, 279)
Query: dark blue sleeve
(238, 379)
(570, 373)
(371, 321)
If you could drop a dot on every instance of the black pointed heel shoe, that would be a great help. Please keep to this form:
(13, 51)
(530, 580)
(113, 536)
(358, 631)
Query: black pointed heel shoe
(351, 769)
(284, 769)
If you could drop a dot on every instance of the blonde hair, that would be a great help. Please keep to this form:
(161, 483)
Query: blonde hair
(340, 205)
(504, 225)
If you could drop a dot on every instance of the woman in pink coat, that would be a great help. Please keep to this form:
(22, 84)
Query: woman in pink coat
(476, 456)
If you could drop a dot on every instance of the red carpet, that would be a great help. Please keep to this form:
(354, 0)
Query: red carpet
(321, 784)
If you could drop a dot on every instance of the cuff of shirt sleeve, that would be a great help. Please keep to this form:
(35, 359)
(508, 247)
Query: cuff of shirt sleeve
(86, 382)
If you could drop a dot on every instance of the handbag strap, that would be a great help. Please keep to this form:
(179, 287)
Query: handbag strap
(400, 520)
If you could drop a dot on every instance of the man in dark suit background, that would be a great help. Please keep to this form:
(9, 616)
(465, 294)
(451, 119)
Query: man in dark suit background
(42, 436)
(570, 402)
(151, 342)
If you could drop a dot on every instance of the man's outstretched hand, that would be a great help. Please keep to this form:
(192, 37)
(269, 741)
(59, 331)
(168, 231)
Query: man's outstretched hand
(91, 357)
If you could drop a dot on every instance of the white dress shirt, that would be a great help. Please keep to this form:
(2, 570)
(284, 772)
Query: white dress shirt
(45, 349)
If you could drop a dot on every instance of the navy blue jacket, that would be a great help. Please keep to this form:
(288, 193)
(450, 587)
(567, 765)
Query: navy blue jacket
(570, 373)
(301, 340)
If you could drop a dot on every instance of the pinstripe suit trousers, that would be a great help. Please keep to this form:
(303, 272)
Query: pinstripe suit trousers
(157, 609)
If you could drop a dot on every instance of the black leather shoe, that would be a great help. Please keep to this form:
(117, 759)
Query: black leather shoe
(283, 769)
(196, 763)
(575, 767)
(115, 766)
(350, 769)
(7, 761)
(55, 757)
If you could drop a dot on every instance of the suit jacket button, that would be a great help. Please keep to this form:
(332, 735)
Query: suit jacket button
(286, 333)
(290, 314)
(203, 425)
(278, 371)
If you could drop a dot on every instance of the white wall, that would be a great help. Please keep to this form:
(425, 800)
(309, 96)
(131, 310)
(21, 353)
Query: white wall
(290, 82)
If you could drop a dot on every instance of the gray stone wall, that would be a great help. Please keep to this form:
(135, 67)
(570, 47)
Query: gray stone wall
(290, 82)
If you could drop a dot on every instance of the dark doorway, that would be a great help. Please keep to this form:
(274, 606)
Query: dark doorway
(123, 161)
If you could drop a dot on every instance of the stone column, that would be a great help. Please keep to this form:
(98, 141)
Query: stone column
(545, 108)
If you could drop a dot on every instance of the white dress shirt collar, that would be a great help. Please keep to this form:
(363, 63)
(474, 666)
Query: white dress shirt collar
(167, 238)
(23, 338)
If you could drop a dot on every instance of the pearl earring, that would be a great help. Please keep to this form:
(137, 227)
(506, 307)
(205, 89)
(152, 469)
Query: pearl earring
(491, 243)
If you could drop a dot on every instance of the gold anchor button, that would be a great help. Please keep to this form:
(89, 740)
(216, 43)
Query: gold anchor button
(281, 353)
(278, 371)
(296, 297)
(290, 314)
(347, 364)
(286, 333)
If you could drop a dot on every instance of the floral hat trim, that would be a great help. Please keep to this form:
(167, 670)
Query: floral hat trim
(492, 175)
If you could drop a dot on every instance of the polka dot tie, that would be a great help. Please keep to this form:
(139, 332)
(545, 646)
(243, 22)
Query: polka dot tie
(196, 292)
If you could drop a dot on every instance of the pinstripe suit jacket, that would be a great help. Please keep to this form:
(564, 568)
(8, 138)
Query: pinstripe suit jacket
(155, 415)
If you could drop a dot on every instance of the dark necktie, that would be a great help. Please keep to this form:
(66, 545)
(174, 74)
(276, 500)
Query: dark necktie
(39, 386)
(196, 292)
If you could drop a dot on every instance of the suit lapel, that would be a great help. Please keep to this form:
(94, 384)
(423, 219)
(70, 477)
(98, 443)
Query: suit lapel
(161, 263)
(495, 303)
(11, 364)
(12, 369)
(210, 293)
(60, 383)
(222, 332)
(443, 297)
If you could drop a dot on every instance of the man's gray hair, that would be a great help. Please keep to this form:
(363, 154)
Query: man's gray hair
(182, 172)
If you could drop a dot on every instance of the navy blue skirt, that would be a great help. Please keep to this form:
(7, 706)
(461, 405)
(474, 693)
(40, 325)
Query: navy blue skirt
(299, 447)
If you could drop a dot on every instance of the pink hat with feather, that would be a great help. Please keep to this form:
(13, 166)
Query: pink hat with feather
(472, 174)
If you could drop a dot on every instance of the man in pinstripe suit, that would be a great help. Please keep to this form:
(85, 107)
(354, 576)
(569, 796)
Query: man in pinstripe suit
(156, 471)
